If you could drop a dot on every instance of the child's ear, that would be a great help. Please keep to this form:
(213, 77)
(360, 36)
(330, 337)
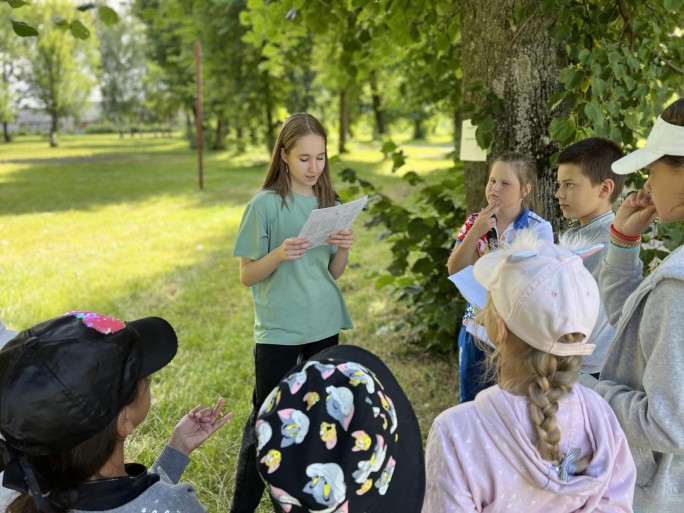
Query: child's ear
(283, 155)
(124, 426)
(607, 188)
(526, 190)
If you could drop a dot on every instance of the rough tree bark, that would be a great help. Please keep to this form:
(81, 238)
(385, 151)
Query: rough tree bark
(378, 112)
(520, 64)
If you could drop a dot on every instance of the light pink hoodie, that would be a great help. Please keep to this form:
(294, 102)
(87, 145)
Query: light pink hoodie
(480, 456)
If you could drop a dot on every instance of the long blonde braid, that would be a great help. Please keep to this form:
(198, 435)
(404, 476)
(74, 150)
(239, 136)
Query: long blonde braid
(541, 377)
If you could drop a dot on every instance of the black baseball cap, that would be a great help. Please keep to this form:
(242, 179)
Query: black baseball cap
(64, 380)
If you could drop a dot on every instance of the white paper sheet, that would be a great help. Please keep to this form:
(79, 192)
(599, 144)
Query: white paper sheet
(471, 290)
(323, 222)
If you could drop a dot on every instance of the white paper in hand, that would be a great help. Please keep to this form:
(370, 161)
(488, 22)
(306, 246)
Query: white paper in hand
(323, 222)
(470, 289)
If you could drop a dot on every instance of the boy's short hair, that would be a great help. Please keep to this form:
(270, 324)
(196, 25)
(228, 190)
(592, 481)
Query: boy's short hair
(595, 156)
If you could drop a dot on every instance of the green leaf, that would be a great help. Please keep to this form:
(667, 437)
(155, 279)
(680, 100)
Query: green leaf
(556, 100)
(15, 4)
(560, 33)
(629, 82)
(384, 280)
(572, 78)
(86, 7)
(60, 22)
(616, 135)
(388, 147)
(599, 86)
(632, 122)
(583, 56)
(562, 130)
(673, 5)
(484, 137)
(413, 178)
(23, 29)
(594, 113)
(79, 30)
(107, 15)
(398, 160)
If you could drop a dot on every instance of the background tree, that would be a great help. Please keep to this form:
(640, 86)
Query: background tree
(121, 72)
(510, 71)
(10, 65)
(62, 69)
(74, 24)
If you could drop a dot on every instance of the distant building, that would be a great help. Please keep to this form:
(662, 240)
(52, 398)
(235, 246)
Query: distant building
(35, 120)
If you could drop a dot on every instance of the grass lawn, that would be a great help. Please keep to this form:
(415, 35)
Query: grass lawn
(120, 227)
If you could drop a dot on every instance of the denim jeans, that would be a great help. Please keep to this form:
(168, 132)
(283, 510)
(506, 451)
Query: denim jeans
(271, 364)
(471, 367)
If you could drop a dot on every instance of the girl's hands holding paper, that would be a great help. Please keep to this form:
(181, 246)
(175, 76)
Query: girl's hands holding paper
(342, 239)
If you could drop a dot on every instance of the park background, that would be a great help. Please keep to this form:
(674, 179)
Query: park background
(104, 212)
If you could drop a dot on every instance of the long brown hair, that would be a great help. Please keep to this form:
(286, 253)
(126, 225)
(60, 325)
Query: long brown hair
(674, 114)
(278, 179)
(544, 379)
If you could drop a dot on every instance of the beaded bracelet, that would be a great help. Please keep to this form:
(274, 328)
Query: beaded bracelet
(623, 241)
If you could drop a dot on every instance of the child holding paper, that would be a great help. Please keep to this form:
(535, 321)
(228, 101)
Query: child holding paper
(510, 197)
(298, 306)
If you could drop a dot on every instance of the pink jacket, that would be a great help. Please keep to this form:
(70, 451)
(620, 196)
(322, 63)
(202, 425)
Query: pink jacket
(480, 456)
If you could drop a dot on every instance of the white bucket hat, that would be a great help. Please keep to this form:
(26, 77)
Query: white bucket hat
(664, 139)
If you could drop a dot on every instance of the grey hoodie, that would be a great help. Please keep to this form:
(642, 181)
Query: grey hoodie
(643, 375)
(166, 495)
(595, 231)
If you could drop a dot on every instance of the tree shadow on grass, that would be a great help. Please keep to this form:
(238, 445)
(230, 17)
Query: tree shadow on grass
(113, 179)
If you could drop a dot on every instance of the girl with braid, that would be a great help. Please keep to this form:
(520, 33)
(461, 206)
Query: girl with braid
(538, 441)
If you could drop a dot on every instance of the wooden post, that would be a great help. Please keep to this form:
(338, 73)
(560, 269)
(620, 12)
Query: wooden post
(198, 110)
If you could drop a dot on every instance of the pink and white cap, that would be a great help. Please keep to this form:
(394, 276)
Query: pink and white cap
(664, 139)
(542, 291)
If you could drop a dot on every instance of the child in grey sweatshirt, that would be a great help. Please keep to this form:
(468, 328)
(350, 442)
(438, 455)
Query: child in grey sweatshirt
(643, 375)
(72, 389)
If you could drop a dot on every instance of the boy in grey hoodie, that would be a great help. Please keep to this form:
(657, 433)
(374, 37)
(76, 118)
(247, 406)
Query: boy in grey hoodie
(587, 190)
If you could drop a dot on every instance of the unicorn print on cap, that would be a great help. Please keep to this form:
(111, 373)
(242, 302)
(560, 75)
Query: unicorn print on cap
(264, 432)
(358, 375)
(366, 467)
(326, 484)
(340, 404)
(328, 434)
(272, 460)
(295, 426)
(285, 500)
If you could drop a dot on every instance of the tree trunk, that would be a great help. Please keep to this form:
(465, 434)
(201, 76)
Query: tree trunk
(268, 112)
(344, 120)
(219, 134)
(418, 128)
(520, 64)
(379, 129)
(54, 124)
(5, 132)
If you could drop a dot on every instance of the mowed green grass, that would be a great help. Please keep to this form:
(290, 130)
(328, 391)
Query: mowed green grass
(120, 227)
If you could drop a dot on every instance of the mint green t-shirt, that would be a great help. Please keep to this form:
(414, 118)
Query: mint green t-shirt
(300, 301)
